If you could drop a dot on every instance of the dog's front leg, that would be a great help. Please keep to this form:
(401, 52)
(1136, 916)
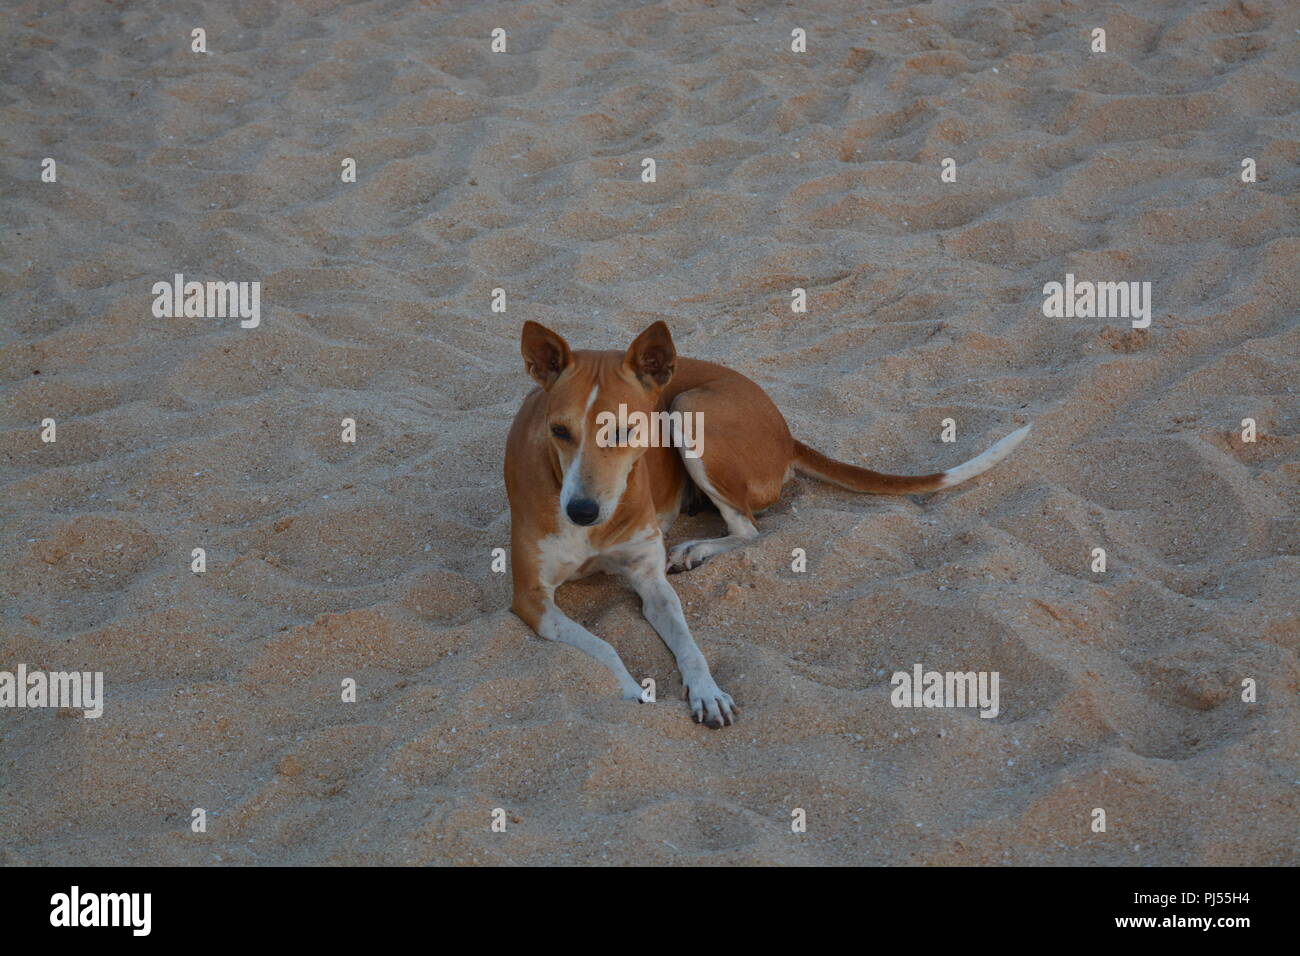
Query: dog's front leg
(644, 570)
(538, 609)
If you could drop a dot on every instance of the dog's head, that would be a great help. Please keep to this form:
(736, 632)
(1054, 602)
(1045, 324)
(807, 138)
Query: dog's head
(584, 391)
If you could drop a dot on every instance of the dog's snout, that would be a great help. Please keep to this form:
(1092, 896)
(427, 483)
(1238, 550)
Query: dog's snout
(582, 510)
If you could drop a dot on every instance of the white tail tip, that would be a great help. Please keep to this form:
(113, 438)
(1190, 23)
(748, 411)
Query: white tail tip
(983, 462)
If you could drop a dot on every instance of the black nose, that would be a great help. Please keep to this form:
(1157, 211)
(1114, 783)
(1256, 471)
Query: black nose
(582, 510)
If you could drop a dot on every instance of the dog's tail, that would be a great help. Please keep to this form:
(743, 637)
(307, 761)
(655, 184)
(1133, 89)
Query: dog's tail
(811, 462)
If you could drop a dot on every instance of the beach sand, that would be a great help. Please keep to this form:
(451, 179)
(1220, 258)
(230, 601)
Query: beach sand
(776, 170)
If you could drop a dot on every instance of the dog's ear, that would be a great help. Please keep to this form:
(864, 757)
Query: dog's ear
(652, 356)
(546, 354)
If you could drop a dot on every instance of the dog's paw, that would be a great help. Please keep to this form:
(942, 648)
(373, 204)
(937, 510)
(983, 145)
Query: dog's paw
(710, 704)
(634, 692)
(686, 557)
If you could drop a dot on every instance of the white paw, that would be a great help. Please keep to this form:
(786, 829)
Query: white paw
(710, 704)
(687, 556)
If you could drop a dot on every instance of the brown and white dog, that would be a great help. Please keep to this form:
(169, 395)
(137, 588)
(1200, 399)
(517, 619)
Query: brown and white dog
(579, 504)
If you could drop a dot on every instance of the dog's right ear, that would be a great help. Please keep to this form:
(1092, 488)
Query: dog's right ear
(546, 354)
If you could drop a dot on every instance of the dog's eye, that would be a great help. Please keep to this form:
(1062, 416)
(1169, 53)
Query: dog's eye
(560, 432)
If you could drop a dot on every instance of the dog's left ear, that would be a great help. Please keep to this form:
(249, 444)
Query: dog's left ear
(652, 356)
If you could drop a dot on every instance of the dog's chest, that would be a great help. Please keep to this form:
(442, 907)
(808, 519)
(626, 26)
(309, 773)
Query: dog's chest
(568, 554)
(562, 555)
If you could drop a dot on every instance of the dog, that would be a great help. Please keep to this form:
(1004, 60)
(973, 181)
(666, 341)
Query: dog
(585, 498)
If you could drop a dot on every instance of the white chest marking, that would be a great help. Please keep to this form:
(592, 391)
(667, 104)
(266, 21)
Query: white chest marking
(561, 554)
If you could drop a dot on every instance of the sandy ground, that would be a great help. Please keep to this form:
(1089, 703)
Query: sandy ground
(820, 170)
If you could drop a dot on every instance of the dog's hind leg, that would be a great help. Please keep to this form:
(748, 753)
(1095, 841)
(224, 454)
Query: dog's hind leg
(741, 461)
(740, 526)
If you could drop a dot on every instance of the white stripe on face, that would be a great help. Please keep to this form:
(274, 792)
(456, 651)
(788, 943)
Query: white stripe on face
(572, 487)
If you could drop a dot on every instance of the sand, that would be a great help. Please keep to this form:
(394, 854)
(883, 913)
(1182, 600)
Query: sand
(775, 170)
